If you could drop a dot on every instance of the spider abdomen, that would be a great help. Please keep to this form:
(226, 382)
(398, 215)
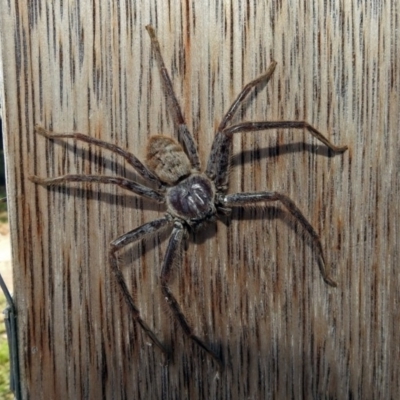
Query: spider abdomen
(192, 199)
(167, 159)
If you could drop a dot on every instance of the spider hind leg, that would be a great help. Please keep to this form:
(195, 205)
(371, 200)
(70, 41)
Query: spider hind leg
(251, 198)
(172, 255)
(117, 244)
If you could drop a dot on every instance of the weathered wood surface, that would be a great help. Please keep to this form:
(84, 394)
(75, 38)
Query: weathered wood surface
(252, 288)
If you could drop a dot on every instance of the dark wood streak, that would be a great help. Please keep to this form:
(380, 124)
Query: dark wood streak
(251, 288)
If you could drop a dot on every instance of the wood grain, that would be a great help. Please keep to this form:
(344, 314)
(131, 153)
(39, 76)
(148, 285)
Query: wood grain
(251, 287)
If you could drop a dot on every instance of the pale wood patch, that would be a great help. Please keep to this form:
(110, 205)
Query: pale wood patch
(252, 289)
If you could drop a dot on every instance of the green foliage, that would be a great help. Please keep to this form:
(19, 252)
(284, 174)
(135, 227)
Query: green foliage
(3, 206)
(2, 169)
(5, 393)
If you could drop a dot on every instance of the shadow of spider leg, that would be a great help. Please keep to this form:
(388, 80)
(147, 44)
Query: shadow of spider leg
(239, 199)
(172, 256)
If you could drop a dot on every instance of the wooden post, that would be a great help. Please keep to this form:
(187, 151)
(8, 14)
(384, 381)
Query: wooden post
(251, 288)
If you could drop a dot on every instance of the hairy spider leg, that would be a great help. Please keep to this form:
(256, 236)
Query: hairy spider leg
(172, 256)
(129, 157)
(184, 136)
(221, 150)
(122, 241)
(243, 94)
(264, 125)
(239, 199)
(122, 182)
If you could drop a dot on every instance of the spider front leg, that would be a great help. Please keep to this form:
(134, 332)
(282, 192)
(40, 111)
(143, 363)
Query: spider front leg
(243, 94)
(251, 198)
(221, 150)
(173, 255)
(119, 243)
(264, 125)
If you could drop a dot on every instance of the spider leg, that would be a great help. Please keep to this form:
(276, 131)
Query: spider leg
(219, 161)
(221, 151)
(117, 244)
(184, 136)
(129, 157)
(172, 255)
(263, 125)
(242, 95)
(122, 182)
(251, 198)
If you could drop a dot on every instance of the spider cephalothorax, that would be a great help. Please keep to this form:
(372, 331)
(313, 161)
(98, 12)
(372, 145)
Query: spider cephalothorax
(191, 197)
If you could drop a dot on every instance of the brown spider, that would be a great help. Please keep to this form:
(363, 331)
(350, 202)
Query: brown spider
(192, 197)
